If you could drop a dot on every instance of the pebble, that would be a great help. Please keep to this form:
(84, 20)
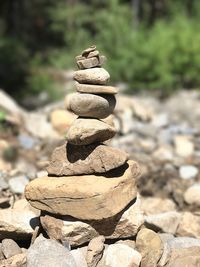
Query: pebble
(26, 141)
(10, 248)
(17, 184)
(188, 172)
(192, 195)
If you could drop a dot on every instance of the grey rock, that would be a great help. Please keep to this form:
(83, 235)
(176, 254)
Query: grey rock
(17, 184)
(92, 76)
(46, 252)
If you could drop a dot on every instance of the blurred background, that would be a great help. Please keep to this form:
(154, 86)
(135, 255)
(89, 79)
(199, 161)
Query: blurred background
(150, 44)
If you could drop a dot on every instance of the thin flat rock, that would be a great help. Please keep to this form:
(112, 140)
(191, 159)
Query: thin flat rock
(96, 89)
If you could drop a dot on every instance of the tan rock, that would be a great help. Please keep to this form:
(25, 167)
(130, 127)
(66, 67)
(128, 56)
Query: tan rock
(85, 197)
(93, 54)
(125, 224)
(189, 225)
(96, 89)
(192, 195)
(95, 251)
(149, 244)
(69, 159)
(88, 63)
(155, 205)
(91, 105)
(92, 76)
(10, 248)
(184, 257)
(88, 131)
(88, 50)
(62, 120)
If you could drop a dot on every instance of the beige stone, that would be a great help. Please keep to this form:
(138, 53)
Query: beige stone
(184, 147)
(62, 120)
(88, 50)
(95, 251)
(15, 261)
(155, 205)
(192, 195)
(88, 131)
(92, 76)
(10, 248)
(125, 224)
(149, 244)
(91, 105)
(69, 159)
(96, 89)
(88, 197)
(189, 225)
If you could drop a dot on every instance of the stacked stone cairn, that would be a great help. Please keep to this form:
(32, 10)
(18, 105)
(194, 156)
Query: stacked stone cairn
(91, 188)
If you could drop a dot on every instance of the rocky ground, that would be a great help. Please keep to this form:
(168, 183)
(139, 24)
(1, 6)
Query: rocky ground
(163, 136)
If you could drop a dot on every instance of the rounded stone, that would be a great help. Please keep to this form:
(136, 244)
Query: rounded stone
(88, 131)
(92, 76)
(96, 89)
(91, 105)
(86, 197)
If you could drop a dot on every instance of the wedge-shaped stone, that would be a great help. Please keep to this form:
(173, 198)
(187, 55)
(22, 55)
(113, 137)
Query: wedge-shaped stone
(70, 159)
(91, 105)
(87, 197)
(92, 76)
(96, 89)
(88, 131)
(88, 63)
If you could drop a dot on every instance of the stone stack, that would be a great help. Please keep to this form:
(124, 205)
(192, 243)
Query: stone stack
(91, 187)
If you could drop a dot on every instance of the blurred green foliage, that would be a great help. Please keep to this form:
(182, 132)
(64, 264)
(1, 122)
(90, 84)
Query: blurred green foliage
(149, 44)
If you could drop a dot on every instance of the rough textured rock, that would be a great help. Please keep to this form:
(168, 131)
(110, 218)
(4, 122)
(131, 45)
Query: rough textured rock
(95, 251)
(88, 63)
(88, 131)
(186, 257)
(85, 197)
(62, 120)
(91, 105)
(92, 76)
(17, 224)
(155, 205)
(118, 255)
(69, 159)
(150, 246)
(96, 89)
(192, 195)
(15, 261)
(46, 252)
(10, 248)
(123, 225)
(167, 222)
(189, 225)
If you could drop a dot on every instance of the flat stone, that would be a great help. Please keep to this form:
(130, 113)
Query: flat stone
(88, 63)
(17, 224)
(93, 54)
(10, 248)
(167, 222)
(95, 89)
(192, 195)
(88, 131)
(85, 197)
(88, 50)
(150, 246)
(118, 255)
(91, 105)
(189, 225)
(92, 76)
(125, 224)
(46, 252)
(68, 159)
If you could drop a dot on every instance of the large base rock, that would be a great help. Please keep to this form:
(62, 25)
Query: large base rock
(86, 197)
(125, 224)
